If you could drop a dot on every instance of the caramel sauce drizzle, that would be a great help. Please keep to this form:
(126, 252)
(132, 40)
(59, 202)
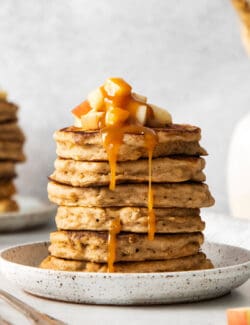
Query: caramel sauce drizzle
(151, 213)
(112, 140)
(112, 137)
(115, 229)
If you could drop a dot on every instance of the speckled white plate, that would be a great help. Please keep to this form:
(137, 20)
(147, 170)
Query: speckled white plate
(232, 268)
(32, 213)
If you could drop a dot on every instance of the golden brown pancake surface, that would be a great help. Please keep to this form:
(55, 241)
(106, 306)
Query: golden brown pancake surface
(93, 246)
(11, 132)
(8, 205)
(176, 139)
(167, 169)
(193, 262)
(186, 195)
(10, 150)
(133, 219)
(7, 170)
(7, 189)
(8, 111)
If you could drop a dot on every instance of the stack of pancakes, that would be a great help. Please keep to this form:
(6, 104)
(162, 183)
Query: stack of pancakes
(11, 152)
(87, 207)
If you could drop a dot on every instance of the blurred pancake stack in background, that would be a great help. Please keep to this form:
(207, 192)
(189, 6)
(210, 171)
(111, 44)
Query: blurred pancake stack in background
(129, 201)
(11, 152)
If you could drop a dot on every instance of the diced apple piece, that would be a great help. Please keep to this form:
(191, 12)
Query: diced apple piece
(96, 98)
(116, 116)
(141, 114)
(160, 118)
(78, 122)
(92, 120)
(3, 95)
(81, 109)
(139, 98)
(117, 87)
(238, 316)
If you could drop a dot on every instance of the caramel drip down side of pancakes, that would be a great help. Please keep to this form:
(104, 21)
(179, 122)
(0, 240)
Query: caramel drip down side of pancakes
(103, 229)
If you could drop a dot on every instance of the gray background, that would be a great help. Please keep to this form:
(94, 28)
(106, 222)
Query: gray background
(184, 55)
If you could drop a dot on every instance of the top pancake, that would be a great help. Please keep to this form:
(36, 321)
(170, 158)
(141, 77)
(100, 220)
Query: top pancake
(174, 139)
(8, 111)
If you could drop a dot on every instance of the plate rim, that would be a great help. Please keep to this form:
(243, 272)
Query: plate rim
(224, 269)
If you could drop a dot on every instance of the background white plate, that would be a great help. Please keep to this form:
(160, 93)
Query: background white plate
(32, 213)
(19, 264)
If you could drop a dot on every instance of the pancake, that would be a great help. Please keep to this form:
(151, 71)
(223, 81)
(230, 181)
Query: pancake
(7, 205)
(132, 219)
(81, 173)
(8, 111)
(7, 188)
(93, 246)
(188, 263)
(181, 195)
(11, 132)
(7, 170)
(11, 151)
(175, 139)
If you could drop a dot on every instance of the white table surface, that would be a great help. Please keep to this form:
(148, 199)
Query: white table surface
(213, 312)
